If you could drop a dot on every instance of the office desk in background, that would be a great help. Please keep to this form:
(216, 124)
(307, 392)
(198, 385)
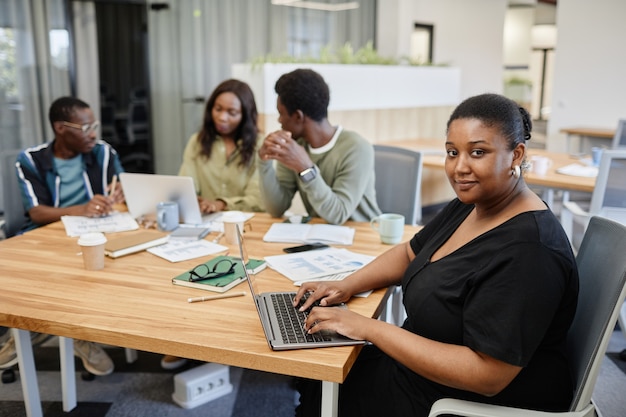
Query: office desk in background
(434, 158)
(584, 135)
(132, 303)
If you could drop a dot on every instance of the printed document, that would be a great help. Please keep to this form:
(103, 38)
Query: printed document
(115, 222)
(315, 264)
(177, 250)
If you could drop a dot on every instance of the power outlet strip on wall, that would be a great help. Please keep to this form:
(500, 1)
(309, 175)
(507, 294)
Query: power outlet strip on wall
(201, 384)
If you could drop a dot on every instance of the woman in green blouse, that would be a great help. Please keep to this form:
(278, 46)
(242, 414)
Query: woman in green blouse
(220, 157)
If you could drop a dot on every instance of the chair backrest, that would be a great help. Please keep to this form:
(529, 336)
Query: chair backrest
(107, 118)
(14, 216)
(619, 140)
(138, 123)
(602, 271)
(609, 195)
(399, 182)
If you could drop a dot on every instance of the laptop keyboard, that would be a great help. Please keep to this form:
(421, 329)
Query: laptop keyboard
(292, 321)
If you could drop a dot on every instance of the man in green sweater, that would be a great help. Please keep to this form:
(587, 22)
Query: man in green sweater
(332, 168)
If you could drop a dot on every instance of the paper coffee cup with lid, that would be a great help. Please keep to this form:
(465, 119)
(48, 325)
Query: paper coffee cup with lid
(231, 220)
(92, 246)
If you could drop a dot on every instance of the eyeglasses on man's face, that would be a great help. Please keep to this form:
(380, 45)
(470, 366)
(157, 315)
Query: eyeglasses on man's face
(220, 269)
(86, 128)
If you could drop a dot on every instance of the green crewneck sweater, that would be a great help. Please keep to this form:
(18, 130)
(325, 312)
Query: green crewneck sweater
(343, 189)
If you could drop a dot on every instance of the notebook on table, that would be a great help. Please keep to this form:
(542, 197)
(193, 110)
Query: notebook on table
(282, 323)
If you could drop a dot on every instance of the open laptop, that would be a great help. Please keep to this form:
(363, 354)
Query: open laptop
(282, 323)
(144, 191)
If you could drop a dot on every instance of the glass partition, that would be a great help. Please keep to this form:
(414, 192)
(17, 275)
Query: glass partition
(34, 69)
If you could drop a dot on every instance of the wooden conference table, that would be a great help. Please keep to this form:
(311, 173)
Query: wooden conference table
(584, 133)
(434, 157)
(132, 303)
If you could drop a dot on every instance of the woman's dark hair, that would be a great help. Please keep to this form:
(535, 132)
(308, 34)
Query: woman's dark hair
(304, 90)
(62, 109)
(247, 131)
(495, 110)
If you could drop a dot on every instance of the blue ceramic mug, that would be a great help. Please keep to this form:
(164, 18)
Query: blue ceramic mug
(167, 216)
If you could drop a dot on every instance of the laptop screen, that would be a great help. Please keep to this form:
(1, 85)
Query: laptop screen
(144, 191)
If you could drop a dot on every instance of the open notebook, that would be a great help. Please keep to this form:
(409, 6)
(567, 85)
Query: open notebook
(282, 323)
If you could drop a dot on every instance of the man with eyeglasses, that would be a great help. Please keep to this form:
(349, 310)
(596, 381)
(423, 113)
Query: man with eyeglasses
(71, 175)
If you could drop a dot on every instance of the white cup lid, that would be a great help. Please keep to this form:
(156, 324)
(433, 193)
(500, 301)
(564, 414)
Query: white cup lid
(233, 216)
(92, 239)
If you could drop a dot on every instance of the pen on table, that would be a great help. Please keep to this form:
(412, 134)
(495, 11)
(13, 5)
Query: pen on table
(215, 297)
(113, 184)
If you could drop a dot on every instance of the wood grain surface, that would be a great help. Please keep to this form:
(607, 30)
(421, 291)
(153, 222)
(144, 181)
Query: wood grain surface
(132, 302)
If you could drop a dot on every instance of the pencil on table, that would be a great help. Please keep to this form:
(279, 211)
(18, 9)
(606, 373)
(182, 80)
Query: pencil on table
(113, 184)
(215, 297)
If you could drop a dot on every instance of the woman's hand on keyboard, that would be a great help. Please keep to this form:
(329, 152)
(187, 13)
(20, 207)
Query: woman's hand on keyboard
(326, 293)
(340, 320)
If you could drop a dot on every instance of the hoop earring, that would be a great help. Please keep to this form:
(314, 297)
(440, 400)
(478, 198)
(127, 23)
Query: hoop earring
(516, 171)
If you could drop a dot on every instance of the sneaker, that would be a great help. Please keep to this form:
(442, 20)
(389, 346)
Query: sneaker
(5, 336)
(172, 362)
(8, 354)
(94, 358)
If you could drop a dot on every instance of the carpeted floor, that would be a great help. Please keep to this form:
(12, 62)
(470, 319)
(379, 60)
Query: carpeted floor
(621, 364)
(143, 389)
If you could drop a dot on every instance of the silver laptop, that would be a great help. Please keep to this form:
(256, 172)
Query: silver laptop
(144, 191)
(282, 323)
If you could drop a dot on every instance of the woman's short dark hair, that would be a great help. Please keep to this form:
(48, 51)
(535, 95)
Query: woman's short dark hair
(246, 132)
(63, 108)
(497, 111)
(304, 90)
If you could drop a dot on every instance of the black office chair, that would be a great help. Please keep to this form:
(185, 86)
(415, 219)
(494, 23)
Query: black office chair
(138, 124)
(107, 118)
(136, 155)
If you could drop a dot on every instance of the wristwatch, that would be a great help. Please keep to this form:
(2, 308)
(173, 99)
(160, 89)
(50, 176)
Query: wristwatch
(308, 174)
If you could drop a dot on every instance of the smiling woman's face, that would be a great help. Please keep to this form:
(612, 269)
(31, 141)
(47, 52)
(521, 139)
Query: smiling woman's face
(478, 161)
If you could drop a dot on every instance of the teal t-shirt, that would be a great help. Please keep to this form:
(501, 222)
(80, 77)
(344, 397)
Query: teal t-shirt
(72, 190)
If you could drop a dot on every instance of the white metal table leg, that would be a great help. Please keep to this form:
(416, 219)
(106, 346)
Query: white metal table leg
(330, 398)
(131, 355)
(28, 375)
(548, 197)
(68, 377)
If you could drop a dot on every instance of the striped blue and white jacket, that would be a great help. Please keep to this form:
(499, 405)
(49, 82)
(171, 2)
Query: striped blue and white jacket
(39, 181)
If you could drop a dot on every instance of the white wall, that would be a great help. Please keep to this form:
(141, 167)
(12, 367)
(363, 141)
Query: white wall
(589, 74)
(589, 83)
(467, 35)
(517, 28)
